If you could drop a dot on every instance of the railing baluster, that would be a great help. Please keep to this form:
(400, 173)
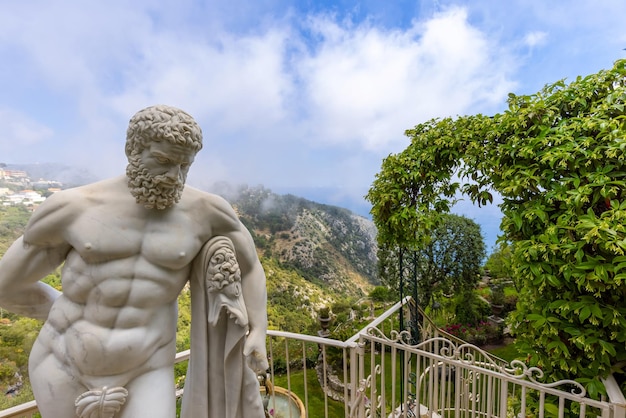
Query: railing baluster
(306, 386)
(383, 378)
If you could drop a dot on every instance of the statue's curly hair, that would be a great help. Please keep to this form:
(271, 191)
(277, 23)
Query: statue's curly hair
(162, 123)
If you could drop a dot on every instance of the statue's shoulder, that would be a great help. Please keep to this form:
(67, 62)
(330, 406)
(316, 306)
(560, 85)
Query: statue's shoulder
(210, 207)
(62, 208)
(88, 193)
(206, 200)
(60, 201)
(51, 218)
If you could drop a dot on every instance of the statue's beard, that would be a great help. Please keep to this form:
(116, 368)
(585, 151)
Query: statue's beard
(153, 192)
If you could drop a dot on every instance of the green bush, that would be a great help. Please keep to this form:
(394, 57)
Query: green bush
(557, 160)
(470, 309)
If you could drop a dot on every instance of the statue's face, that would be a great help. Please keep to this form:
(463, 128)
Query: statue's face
(167, 163)
(157, 174)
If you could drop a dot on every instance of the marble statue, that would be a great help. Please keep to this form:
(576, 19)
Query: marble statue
(127, 247)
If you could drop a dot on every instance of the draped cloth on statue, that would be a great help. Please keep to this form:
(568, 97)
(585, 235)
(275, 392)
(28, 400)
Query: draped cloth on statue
(219, 383)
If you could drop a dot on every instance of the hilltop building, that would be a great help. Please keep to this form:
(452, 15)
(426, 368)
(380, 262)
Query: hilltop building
(26, 196)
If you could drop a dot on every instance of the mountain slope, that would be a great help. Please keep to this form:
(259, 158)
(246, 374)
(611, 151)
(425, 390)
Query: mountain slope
(329, 246)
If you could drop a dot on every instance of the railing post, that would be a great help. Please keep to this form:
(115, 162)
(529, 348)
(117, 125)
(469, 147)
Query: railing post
(616, 397)
(401, 271)
(357, 353)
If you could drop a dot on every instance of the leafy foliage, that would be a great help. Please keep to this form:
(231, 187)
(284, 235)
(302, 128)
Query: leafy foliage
(557, 158)
(469, 309)
(291, 300)
(499, 262)
(382, 294)
(13, 219)
(449, 262)
(16, 340)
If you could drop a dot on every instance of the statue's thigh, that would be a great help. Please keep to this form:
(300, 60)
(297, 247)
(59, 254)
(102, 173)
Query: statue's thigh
(54, 388)
(151, 395)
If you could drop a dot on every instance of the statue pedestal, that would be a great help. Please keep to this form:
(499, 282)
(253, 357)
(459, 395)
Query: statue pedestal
(494, 319)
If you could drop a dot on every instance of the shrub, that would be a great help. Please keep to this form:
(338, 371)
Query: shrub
(484, 332)
(470, 309)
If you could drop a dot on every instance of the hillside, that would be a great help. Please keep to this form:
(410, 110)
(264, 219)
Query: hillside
(313, 254)
(327, 245)
(12, 223)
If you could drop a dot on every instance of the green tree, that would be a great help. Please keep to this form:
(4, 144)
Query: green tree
(557, 158)
(448, 263)
(13, 219)
(451, 261)
(381, 294)
(499, 262)
(16, 339)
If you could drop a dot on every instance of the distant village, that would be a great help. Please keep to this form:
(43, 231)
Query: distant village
(17, 188)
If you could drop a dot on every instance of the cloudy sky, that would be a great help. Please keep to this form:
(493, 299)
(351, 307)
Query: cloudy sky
(301, 96)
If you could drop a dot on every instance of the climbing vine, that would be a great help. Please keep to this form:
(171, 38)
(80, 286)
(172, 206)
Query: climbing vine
(558, 160)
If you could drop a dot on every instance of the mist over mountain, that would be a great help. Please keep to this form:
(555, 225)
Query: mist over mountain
(69, 175)
(328, 245)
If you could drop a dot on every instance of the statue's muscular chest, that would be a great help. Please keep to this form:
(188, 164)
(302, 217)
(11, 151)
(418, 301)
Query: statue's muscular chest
(166, 239)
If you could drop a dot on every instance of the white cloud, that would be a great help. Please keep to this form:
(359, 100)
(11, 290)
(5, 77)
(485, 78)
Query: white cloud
(368, 85)
(238, 83)
(273, 101)
(358, 85)
(536, 38)
(20, 133)
(285, 93)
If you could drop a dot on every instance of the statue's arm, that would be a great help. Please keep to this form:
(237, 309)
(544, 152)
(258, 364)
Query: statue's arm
(21, 268)
(255, 298)
(29, 259)
(254, 291)
(253, 285)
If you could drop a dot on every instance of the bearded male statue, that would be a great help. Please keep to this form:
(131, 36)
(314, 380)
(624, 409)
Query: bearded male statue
(128, 246)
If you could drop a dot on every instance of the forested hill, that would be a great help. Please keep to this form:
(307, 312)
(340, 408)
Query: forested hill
(12, 223)
(327, 245)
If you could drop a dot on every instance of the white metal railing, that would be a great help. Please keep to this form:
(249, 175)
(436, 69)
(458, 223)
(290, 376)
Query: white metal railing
(377, 373)
(25, 410)
(439, 378)
(616, 396)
